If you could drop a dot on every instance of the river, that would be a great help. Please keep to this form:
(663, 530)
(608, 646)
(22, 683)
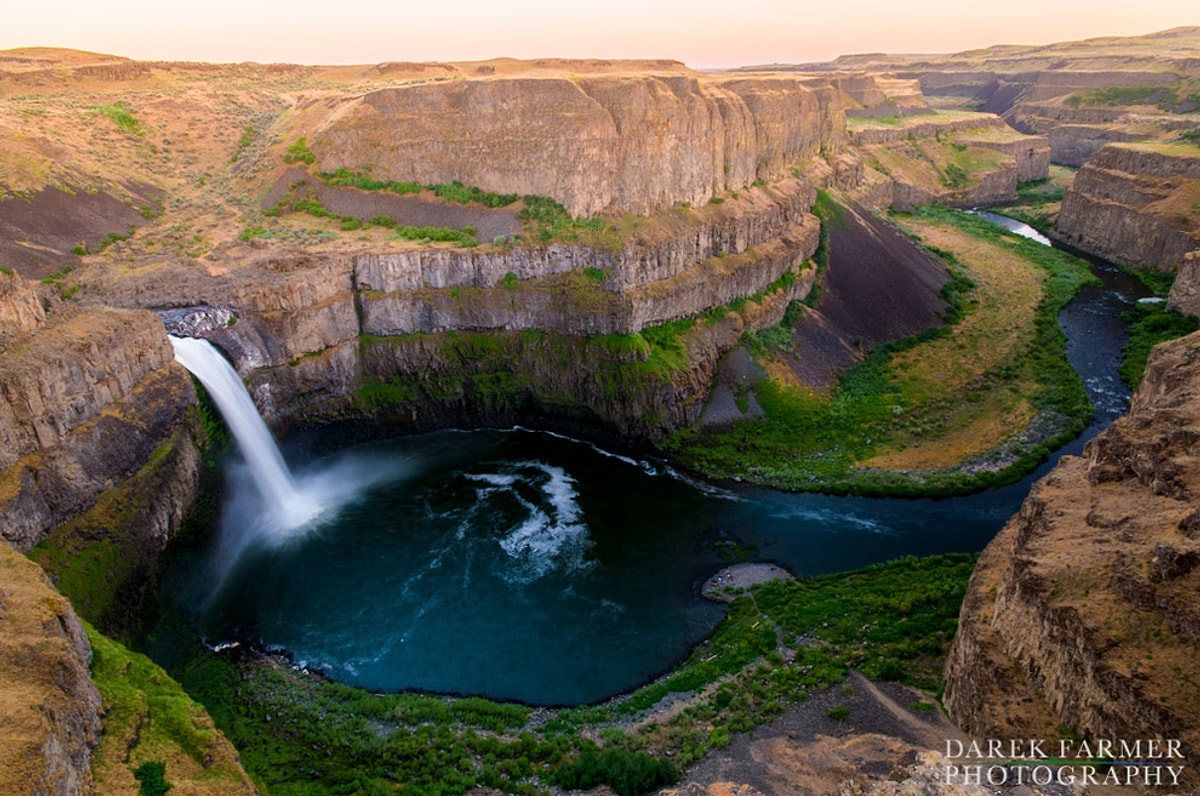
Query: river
(523, 565)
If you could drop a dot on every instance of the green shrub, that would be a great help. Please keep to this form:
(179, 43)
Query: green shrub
(1149, 326)
(151, 778)
(1164, 97)
(627, 773)
(120, 114)
(299, 152)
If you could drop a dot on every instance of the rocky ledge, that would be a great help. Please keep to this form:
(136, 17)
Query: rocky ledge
(1081, 613)
(49, 707)
(1135, 204)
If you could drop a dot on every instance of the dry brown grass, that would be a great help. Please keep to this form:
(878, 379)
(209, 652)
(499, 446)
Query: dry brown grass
(973, 428)
(953, 409)
(37, 670)
(1009, 290)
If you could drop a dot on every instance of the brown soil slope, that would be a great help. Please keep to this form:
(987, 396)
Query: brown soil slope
(878, 286)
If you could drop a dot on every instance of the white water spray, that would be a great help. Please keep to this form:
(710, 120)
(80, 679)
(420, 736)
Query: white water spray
(289, 509)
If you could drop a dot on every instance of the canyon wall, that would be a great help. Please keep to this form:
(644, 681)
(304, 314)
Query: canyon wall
(961, 160)
(1136, 204)
(81, 415)
(1082, 611)
(49, 708)
(636, 143)
(311, 331)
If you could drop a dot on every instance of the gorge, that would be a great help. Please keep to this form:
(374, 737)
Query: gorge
(623, 253)
(595, 551)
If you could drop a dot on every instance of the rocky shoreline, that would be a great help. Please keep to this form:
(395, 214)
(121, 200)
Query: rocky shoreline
(733, 581)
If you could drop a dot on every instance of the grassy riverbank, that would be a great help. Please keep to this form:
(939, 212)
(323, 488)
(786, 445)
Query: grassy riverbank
(299, 734)
(974, 403)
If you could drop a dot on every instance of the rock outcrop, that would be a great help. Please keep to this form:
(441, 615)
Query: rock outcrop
(300, 322)
(636, 143)
(81, 414)
(963, 160)
(1185, 290)
(1082, 611)
(1082, 94)
(1135, 204)
(49, 707)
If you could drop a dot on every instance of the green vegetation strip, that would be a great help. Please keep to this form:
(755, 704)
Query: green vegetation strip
(152, 730)
(299, 734)
(1180, 97)
(808, 441)
(1149, 326)
(544, 219)
(120, 114)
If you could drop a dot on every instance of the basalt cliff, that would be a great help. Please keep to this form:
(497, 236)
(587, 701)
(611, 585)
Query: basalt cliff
(1122, 110)
(192, 190)
(1082, 612)
(1136, 204)
(292, 216)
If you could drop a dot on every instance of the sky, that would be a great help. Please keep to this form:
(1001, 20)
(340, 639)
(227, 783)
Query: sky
(701, 33)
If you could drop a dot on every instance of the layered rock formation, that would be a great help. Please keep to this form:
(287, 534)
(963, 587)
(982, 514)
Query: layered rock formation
(49, 707)
(634, 143)
(96, 458)
(964, 160)
(1082, 611)
(81, 415)
(1081, 94)
(1136, 204)
(304, 322)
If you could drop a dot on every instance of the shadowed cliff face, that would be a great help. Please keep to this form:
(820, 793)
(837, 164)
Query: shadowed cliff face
(80, 415)
(1082, 612)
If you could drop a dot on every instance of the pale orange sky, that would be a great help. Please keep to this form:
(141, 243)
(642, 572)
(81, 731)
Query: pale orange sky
(702, 33)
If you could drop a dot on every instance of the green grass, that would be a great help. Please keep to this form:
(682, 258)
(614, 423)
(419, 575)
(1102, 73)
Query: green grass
(108, 240)
(1039, 192)
(305, 735)
(148, 719)
(544, 219)
(1149, 326)
(97, 559)
(120, 114)
(1157, 282)
(808, 441)
(463, 238)
(1164, 97)
(249, 135)
(298, 152)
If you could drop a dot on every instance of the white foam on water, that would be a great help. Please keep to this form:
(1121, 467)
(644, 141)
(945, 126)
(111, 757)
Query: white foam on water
(552, 536)
(829, 519)
(711, 490)
(248, 521)
(267, 504)
(289, 507)
(495, 479)
(645, 466)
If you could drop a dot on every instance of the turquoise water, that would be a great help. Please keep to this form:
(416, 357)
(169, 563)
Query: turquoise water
(526, 566)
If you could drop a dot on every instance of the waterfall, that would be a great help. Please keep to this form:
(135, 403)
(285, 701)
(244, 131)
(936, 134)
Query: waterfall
(287, 507)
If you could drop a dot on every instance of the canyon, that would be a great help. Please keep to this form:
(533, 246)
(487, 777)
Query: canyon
(133, 193)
